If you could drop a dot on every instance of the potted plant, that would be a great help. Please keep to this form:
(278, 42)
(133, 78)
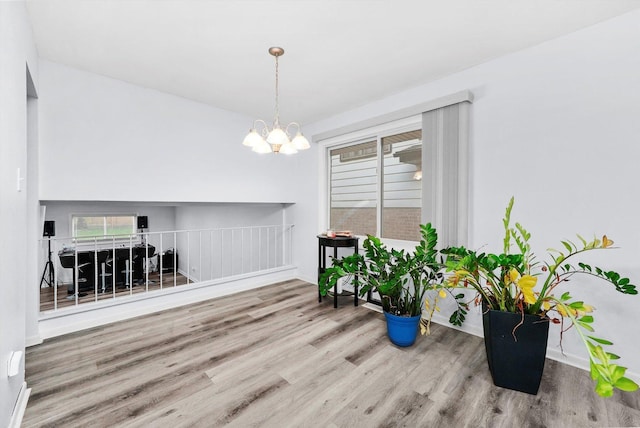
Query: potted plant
(519, 299)
(401, 279)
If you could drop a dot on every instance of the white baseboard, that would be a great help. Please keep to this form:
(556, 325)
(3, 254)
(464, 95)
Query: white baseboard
(309, 279)
(373, 307)
(20, 407)
(33, 341)
(581, 362)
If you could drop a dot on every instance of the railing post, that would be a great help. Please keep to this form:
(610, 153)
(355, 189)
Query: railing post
(188, 256)
(76, 279)
(175, 262)
(221, 253)
(161, 259)
(95, 269)
(146, 264)
(231, 253)
(211, 254)
(114, 266)
(259, 248)
(55, 277)
(129, 269)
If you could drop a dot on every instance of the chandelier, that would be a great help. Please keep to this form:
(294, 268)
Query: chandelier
(275, 139)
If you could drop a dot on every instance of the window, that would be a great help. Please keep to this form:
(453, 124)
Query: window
(402, 186)
(389, 174)
(355, 187)
(353, 202)
(102, 226)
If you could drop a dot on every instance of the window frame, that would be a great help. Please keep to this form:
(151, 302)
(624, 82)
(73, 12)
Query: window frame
(377, 133)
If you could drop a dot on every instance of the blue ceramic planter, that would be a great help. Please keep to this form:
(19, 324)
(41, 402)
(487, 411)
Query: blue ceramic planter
(402, 331)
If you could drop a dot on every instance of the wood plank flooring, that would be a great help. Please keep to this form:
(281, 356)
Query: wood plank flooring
(275, 357)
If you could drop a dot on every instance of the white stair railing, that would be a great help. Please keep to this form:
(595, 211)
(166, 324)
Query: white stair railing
(90, 270)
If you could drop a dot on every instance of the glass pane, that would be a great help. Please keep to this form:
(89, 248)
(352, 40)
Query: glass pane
(100, 226)
(353, 188)
(402, 186)
(120, 225)
(86, 226)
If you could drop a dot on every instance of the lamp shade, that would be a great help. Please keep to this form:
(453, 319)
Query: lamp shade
(288, 149)
(277, 136)
(300, 142)
(252, 138)
(262, 147)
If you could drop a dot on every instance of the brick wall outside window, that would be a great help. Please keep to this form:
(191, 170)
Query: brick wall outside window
(399, 223)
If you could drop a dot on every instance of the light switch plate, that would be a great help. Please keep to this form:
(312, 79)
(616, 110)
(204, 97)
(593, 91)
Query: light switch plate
(13, 365)
(18, 181)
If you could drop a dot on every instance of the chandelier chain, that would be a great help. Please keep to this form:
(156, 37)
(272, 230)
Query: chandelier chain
(277, 105)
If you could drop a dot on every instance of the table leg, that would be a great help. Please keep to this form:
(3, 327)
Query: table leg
(355, 284)
(320, 270)
(335, 287)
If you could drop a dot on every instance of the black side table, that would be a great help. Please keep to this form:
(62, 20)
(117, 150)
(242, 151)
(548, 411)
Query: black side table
(337, 242)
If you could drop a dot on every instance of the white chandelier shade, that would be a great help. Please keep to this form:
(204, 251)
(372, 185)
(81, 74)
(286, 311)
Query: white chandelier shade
(275, 139)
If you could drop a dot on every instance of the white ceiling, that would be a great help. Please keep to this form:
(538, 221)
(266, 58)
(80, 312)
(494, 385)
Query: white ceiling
(339, 53)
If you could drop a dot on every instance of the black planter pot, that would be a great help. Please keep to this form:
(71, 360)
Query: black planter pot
(515, 363)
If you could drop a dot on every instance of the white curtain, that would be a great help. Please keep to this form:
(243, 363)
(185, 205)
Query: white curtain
(445, 175)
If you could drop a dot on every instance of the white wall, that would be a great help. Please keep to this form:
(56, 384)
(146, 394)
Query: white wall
(211, 216)
(16, 51)
(556, 126)
(104, 139)
(306, 213)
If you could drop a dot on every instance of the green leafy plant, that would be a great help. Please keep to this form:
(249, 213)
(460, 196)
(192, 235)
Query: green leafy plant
(388, 272)
(508, 282)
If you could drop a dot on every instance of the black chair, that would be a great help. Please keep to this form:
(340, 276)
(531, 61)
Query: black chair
(104, 267)
(123, 261)
(168, 265)
(84, 270)
(142, 253)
